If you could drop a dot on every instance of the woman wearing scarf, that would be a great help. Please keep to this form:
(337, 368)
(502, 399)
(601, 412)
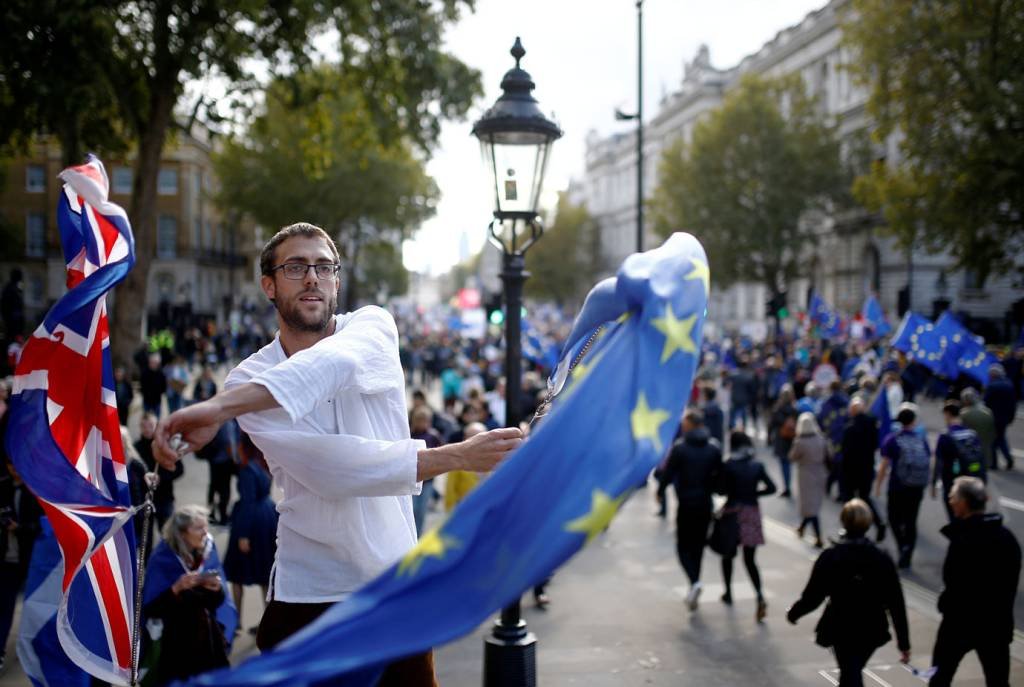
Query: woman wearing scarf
(189, 618)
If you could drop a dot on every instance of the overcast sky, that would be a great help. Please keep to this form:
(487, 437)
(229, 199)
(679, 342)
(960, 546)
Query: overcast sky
(582, 56)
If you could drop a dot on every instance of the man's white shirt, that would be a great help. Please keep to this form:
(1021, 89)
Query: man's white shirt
(340, 450)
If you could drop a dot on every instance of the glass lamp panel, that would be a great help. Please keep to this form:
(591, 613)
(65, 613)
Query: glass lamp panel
(518, 162)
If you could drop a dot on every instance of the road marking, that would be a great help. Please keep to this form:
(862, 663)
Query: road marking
(1007, 502)
(828, 676)
(877, 679)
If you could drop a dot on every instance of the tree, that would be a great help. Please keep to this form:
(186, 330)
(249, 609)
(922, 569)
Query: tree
(752, 170)
(50, 83)
(149, 49)
(563, 264)
(946, 78)
(323, 159)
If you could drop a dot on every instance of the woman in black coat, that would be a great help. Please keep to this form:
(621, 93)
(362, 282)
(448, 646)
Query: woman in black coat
(862, 587)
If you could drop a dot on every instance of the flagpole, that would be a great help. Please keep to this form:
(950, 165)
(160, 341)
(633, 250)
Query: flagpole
(152, 479)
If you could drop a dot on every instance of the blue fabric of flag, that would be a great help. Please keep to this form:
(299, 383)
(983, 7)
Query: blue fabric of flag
(875, 317)
(952, 338)
(974, 360)
(822, 315)
(39, 649)
(881, 412)
(607, 430)
(916, 336)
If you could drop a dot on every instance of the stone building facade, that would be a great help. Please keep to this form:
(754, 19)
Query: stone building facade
(201, 262)
(850, 256)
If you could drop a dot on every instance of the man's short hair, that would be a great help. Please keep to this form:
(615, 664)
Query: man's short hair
(739, 439)
(267, 256)
(856, 517)
(969, 396)
(695, 416)
(422, 413)
(951, 408)
(710, 393)
(972, 491)
(906, 417)
(996, 371)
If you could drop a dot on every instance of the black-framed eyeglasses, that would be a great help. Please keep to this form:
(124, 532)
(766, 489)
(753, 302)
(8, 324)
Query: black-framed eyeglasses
(299, 270)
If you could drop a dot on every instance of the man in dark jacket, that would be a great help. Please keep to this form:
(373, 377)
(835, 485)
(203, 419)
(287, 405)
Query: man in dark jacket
(862, 586)
(1002, 401)
(980, 575)
(742, 395)
(859, 443)
(692, 468)
(832, 418)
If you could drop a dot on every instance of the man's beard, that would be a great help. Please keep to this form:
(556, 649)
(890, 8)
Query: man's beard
(292, 316)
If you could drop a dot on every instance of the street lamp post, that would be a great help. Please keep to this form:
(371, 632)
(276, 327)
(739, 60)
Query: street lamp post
(639, 117)
(515, 140)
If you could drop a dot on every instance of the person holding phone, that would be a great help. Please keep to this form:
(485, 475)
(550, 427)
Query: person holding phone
(184, 597)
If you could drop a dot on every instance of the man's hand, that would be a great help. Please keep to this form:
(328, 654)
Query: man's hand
(483, 452)
(243, 545)
(905, 656)
(480, 453)
(197, 424)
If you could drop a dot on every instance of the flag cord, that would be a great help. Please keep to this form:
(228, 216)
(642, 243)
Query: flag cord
(140, 574)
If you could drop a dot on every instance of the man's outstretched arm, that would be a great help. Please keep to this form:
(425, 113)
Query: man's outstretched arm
(198, 424)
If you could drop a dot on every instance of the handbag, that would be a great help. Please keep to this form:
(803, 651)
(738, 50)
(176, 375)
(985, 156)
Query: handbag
(725, 534)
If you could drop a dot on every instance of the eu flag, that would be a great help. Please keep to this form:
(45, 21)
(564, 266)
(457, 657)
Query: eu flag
(609, 426)
(917, 338)
(974, 360)
(875, 316)
(824, 317)
(952, 338)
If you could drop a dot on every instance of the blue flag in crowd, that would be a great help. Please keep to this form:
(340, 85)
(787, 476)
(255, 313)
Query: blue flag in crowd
(881, 412)
(875, 317)
(952, 337)
(916, 336)
(557, 493)
(974, 360)
(822, 315)
(39, 650)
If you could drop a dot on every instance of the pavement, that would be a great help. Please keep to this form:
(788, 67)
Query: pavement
(618, 615)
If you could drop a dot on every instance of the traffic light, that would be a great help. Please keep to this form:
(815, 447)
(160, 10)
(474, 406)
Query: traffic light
(776, 306)
(495, 313)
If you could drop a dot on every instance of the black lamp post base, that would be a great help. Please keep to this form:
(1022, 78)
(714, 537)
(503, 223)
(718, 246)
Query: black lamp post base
(510, 658)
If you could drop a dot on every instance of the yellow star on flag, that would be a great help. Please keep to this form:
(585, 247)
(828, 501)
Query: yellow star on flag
(646, 421)
(678, 333)
(602, 509)
(701, 271)
(433, 543)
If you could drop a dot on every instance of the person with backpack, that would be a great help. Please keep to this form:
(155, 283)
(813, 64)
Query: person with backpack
(905, 454)
(957, 453)
(864, 596)
(782, 432)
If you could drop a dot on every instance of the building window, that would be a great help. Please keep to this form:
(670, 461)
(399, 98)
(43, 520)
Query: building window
(35, 179)
(973, 280)
(872, 270)
(167, 237)
(167, 182)
(35, 235)
(123, 180)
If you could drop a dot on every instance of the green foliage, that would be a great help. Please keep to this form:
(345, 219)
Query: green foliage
(49, 81)
(324, 161)
(563, 265)
(752, 169)
(946, 78)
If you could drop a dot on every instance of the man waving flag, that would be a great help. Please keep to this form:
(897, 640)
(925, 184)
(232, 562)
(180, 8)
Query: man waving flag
(64, 435)
(635, 350)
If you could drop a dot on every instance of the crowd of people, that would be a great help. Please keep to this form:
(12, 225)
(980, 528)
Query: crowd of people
(842, 416)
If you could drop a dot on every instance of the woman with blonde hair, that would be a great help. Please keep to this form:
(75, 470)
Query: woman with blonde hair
(809, 453)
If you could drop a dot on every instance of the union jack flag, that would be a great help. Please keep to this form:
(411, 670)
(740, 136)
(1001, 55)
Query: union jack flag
(64, 436)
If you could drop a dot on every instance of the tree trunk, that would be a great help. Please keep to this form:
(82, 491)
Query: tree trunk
(130, 306)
